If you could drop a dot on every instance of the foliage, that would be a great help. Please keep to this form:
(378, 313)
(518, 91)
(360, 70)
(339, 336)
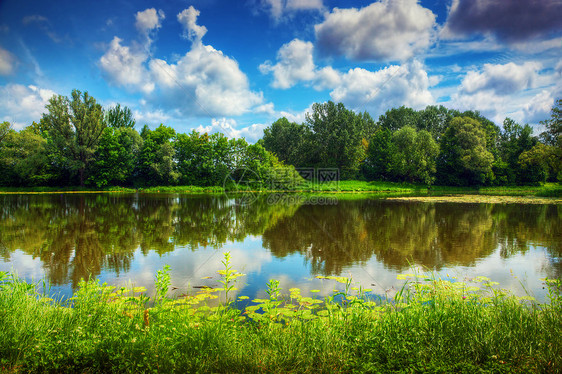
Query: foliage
(552, 137)
(24, 160)
(119, 118)
(155, 165)
(115, 158)
(5, 128)
(337, 136)
(289, 141)
(431, 325)
(73, 129)
(464, 159)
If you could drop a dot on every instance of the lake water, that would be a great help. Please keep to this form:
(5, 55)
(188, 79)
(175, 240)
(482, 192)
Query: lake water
(127, 238)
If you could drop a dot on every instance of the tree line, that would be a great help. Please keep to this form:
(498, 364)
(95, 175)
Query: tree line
(77, 142)
(433, 145)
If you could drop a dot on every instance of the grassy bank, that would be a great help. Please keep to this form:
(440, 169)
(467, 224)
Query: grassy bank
(348, 186)
(431, 325)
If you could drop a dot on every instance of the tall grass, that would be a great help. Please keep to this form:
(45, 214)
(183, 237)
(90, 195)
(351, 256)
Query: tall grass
(431, 325)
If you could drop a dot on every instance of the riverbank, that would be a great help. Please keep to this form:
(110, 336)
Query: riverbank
(545, 190)
(432, 325)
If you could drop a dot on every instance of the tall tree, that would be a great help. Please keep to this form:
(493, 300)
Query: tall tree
(338, 136)
(118, 117)
(514, 139)
(289, 141)
(414, 156)
(5, 128)
(23, 159)
(116, 157)
(396, 118)
(553, 137)
(74, 127)
(464, 158)
(156, 162)
(380, 152)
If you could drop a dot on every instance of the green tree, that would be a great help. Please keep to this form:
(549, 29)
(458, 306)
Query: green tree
(435, 120)
(116, 157)
(396, 118)
(513, 140)
(463, 158)
(5, 128)
(535, 163)
(74, 128)
(414, 157)
(23, 159)
(289, 141)
(196, 159)
(378, 162)
(118, 117)
(156, 164)
(552, 137)
(338, 137)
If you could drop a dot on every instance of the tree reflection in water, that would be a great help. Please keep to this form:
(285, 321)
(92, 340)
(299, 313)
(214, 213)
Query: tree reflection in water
(79, 235)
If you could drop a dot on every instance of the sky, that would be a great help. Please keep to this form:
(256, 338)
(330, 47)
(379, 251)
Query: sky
(237, 66)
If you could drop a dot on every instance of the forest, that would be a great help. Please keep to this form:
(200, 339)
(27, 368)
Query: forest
(79, 143)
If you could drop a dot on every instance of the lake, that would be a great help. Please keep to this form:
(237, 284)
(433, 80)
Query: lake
(122, 238)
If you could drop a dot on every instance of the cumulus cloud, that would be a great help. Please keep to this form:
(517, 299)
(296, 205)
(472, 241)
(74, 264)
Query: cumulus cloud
(202, 82)
(149, 20)
(125, 66)
(205, 82)
(509, 21)
(7, 62)
(501, 79)
(377, 91)
(24, 103)
(383, 31)
(538, 108)
(277, 9)
(188, 19)
(503, 90)
(228, 127)
(358, 88)
(294, 64)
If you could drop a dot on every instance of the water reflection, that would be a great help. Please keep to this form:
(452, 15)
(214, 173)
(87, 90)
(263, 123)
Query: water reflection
(401, 233)
(79, 235)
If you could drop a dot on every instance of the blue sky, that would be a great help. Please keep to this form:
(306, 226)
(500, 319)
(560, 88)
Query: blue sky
(237, 66)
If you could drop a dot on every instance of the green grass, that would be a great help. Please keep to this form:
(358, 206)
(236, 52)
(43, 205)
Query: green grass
(348, 186)
(431, 325)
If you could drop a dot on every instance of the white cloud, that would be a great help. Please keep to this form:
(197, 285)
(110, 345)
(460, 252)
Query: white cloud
(150, 117)
(202, 82)
(501, 79)
(538, 108)
(294, 64)
(149, 20)
(227, 126)
(277, 9)
(383, 31)
(7, 62)
(188, 19)
(511, 90)
(387, 88)
(23, 103)
(124, 66)
(358, 88)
